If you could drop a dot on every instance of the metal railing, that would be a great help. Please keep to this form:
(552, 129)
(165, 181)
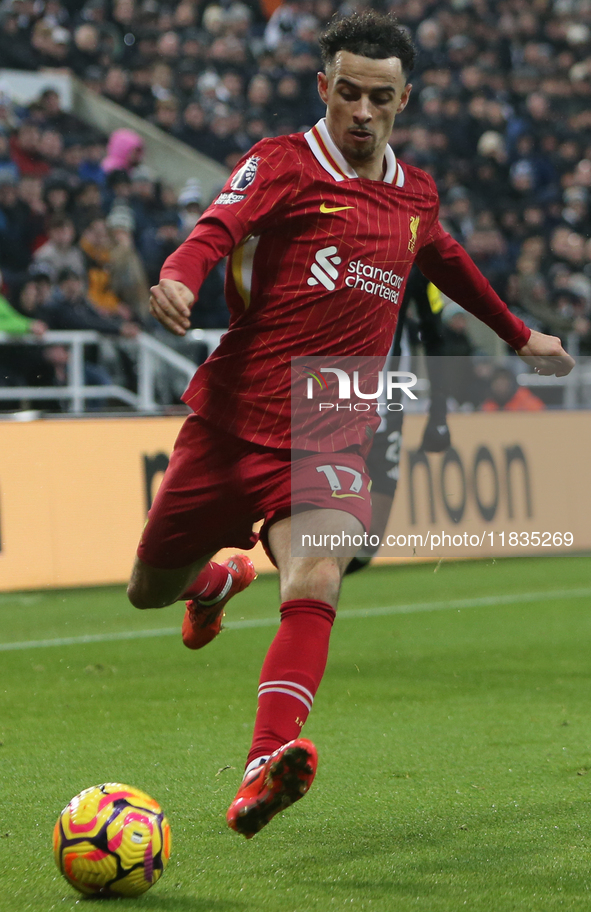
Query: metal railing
(151, 354)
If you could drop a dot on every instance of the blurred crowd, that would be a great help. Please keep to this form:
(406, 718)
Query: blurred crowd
(84, 230)
(500, 115)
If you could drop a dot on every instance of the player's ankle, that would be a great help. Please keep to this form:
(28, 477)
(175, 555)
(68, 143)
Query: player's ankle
(209, 602)
(255, 764)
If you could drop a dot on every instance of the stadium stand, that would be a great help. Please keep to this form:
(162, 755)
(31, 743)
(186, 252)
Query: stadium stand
(500, 115)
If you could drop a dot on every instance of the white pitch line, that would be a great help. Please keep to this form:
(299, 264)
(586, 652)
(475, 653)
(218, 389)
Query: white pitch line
(345, 614)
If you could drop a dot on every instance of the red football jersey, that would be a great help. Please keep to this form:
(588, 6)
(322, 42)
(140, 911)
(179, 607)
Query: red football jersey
(319, 258)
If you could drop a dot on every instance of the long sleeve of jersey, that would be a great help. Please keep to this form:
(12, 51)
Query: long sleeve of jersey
(190, 263)
(445, 263)
(254, 197)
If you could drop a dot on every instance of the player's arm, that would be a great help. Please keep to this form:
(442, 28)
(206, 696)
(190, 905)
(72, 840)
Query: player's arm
(253, 198)
(183, 273)
(451, 269)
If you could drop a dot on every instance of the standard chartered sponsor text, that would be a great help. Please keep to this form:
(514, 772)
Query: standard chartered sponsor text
(373, 280)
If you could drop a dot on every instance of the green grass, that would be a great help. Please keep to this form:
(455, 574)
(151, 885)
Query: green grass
(455, 746)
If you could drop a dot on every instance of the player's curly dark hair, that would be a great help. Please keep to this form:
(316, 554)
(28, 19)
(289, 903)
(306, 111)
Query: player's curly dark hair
(368, 34)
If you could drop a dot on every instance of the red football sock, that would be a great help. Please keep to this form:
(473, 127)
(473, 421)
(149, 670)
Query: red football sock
(291, 674)
(209, 585)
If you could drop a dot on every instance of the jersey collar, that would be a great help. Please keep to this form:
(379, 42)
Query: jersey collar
(329, 156)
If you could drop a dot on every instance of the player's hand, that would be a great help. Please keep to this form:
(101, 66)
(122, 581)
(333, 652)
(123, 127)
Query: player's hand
(546, 355)
(170, 303)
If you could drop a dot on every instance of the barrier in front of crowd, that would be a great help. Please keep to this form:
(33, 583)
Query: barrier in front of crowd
(74, 495)
(149, 354)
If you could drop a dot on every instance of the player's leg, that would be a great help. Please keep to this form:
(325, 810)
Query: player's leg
(380, 514)
(281, 765)
(429, 304)
(313, 572)
(383, 465)
(152, 587)
(205, 586)
(195, 512)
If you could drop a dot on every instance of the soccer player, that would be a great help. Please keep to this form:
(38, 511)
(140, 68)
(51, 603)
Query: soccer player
(310, 223)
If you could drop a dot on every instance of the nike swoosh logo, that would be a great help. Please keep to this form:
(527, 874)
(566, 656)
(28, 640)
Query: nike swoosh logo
(334, 493)
(326, 209)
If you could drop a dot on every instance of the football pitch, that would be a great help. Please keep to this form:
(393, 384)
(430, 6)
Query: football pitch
(453, 728)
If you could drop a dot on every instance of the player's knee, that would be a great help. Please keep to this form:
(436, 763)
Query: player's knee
(136, 597)
(319, 579)
(142, 598)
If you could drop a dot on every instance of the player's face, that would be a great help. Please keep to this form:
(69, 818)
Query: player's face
(362, 97)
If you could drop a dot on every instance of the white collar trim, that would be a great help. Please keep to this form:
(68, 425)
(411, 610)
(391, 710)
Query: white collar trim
(335, 162)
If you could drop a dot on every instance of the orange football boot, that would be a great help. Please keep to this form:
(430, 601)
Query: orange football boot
(283, 779)
(203, 622)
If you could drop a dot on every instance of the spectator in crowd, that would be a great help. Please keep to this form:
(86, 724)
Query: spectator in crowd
(116, 84)
(117, 189)
(60, 252)
(86, 200)
(192, 128)
(8, 167)
(69, 308)
(57, 195)
(97, 247)
(87, 48)
(31, 193)
(19, 366)
(507, 395)
(15, 322)
(166, 115)
(15, 45)
(499, 115)
(190, 203)
(125, 150)
(159, 242)
(89, 169)
(18, 230)
(128, 276)
(25, 151)
(41, 276)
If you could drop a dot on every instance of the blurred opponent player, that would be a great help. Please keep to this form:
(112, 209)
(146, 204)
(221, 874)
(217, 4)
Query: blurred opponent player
(383, 460)
(305, 218)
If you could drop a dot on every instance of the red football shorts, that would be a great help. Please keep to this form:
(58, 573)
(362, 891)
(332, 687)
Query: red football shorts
(217, 486)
